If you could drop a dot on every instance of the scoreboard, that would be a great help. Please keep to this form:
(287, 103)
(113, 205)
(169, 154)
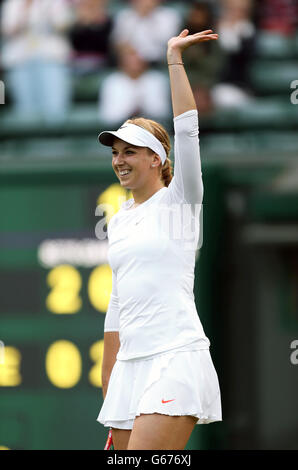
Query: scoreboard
(55, 288)
(55, 285)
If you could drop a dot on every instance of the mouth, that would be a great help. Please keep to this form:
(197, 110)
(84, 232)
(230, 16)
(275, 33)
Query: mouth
(124, 173)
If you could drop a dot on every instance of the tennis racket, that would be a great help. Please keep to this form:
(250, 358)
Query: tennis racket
(109, 444)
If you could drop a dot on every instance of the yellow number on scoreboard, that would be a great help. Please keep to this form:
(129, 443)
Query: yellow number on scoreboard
(63, 364)
(96, 354)
(66, 282)
(10, 370)
(100, 287)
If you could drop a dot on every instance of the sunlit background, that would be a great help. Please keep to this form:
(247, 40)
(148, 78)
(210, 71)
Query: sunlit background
(72, 68)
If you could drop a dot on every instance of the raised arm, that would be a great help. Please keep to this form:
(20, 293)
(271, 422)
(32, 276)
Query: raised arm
(187, 184)
(182, 95)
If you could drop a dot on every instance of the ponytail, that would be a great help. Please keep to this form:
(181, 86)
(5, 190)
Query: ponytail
(166, 172)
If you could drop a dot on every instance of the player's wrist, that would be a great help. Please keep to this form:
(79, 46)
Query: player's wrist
(174, 55)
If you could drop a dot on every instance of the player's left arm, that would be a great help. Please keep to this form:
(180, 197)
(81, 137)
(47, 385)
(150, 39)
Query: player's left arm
(186, 186)
(181, 92)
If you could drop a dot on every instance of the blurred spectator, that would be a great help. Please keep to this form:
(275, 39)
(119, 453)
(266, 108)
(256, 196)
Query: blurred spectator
(237, 40)
(133, 90)
(35, 55)
(90, 35)
(277, 16)
(204, 62)
(147, 26)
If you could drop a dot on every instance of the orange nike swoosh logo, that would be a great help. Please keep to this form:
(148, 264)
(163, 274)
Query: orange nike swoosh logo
(167, 401)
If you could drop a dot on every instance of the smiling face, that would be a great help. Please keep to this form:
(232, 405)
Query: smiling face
(137, 161)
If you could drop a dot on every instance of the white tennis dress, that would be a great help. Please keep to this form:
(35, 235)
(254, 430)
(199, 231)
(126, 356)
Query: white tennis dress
(164, 363)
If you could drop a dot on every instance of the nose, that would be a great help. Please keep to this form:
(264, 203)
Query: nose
(118, 159)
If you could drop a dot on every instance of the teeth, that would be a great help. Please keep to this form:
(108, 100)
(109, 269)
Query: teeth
(124, 172)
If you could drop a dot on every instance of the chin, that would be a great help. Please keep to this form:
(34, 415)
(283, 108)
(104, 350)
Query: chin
(123, 183)
(127, 186)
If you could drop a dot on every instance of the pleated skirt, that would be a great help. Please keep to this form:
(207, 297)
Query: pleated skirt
(171, 383)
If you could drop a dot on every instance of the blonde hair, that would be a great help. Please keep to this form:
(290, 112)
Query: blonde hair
(166, 171)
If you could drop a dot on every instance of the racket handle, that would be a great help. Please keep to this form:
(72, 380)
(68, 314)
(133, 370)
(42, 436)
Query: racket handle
(109, 442)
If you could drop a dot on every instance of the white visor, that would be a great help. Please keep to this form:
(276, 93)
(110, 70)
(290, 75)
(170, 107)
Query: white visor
(134, 135)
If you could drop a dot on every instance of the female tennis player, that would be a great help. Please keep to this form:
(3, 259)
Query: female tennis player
(158, 376)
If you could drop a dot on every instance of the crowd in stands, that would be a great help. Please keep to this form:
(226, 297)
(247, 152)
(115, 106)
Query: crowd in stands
(46, 43)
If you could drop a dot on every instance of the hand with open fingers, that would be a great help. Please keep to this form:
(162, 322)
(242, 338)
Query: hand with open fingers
(185, 40)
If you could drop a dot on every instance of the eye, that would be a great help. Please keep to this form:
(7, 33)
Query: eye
(127, 152)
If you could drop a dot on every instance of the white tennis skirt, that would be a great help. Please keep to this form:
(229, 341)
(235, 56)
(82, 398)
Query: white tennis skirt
(172, 383)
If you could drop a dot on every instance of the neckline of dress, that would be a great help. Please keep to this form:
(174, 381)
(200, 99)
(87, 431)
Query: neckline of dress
(127, 204)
